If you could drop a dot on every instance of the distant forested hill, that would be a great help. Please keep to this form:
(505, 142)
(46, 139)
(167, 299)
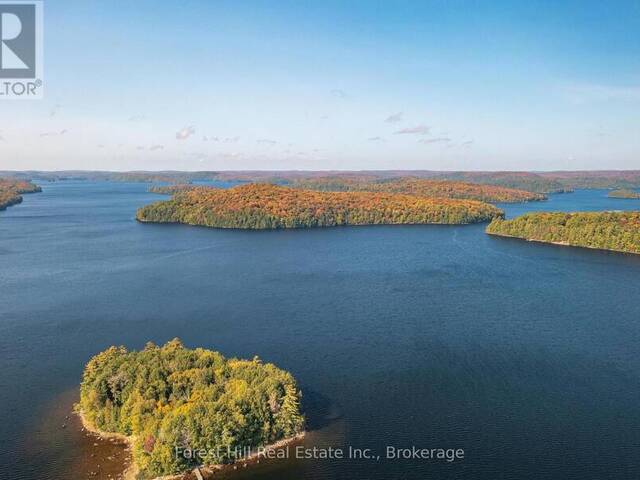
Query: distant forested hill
(530, 182)
(168, 176)
(420, 186)
(596, 179)
(538, 182)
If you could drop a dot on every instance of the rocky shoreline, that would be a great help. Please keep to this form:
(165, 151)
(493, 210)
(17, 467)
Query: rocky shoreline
(203, 472)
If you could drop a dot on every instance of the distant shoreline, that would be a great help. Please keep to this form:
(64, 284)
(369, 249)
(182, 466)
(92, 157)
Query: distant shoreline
(560, 244)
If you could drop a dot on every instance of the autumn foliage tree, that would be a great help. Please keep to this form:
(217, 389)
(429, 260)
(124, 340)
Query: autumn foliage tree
(617, 231)
(624, 193)
(419, 186)
(11, 191)
(265, 206)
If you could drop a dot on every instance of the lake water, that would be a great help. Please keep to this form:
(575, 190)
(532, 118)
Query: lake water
(524, 355)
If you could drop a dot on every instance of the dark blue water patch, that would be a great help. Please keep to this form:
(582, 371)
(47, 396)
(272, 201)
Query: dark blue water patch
(578, 201)
(525, 355)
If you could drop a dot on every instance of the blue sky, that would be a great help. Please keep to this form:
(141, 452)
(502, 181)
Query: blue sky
(445, 85)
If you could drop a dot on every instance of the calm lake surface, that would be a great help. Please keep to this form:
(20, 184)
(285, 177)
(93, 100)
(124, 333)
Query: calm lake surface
(527, 356)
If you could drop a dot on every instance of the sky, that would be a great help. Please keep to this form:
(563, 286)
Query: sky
(325, 85)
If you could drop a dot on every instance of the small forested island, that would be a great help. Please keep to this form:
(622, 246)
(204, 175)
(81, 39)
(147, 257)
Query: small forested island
(616, 231)
(11, 191)
(171, 399)
(623, 193)
(266, 206)
(420, 186)
(170, 189)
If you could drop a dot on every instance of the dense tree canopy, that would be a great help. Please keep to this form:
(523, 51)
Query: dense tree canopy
(407, 185)
(540, 182)
(597, 179)
(420, 186)
(170, 189)
(531, 182)
(623, 193)
(11, 190)
(618, 231)
(172, 397)
(263, 206)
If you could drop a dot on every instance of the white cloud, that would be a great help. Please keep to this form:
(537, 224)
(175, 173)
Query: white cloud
(221, 139)
(55, 110)
(185, 133)
(435, 140)
(395, 118)
(54, 134)
(417, 130)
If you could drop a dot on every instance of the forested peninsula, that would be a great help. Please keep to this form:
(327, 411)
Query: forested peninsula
(171, 399)
(624, 193)
(266, 206)
(420, 186)
(11, 191)
(616, 231)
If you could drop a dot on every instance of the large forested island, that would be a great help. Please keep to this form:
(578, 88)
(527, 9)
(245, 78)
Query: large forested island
(420, 186)
(11, 191)
(265, 206)
(616, 231)
(171, 399)
(623, 193)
